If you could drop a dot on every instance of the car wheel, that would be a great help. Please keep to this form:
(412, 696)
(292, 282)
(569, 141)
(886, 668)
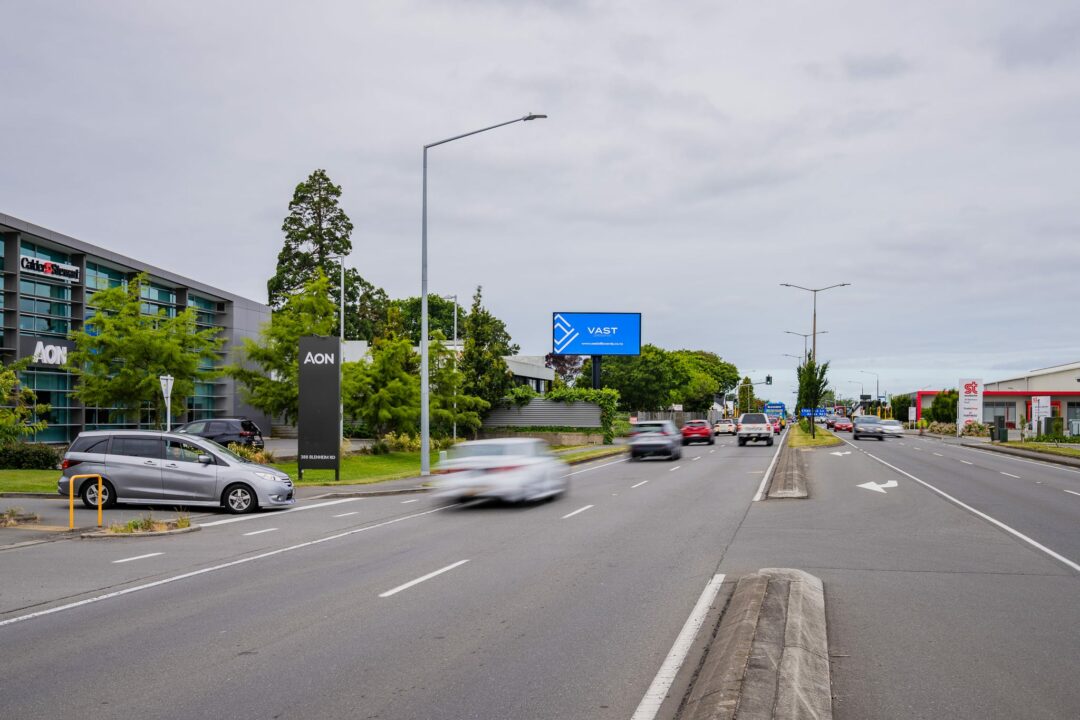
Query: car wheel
(89, 494)
(712, 441)
(239, 499)
(881, 437)
(742, 442)
(769, 442)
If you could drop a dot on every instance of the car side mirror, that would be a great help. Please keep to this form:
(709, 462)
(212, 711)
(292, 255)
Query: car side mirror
(206, 460)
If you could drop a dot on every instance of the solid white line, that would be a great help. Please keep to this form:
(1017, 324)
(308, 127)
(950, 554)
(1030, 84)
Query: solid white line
(696, 458)
(1006, 456)
(1072, 492)
(260, 532)
(768, 472)
(354, 512)
(966, 462)
(214, 568)
(406, 502)
(421, 579)
(661, 684)
(263, 516)
(137, 557)
(1009, 474)
(579, 510)
(984, 516)
(595, 467)
(639, 484)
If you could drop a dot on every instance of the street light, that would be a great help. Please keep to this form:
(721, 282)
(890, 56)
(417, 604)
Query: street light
(454, 298)
(860, 384)
(814, 291)
(804, 336)
(877, 383)
(797, 357)
(425, 430)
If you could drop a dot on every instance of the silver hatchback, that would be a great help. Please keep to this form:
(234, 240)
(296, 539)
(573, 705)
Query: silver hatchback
(157, 468)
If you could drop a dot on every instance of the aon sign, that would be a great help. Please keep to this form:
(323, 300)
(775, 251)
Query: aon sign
(319, 358)
(50, 354)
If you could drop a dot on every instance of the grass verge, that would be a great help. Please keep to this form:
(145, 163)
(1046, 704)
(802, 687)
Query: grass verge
(1043, 448)
(594, 453)
(362, 469)
(801, 439)
(29, 480)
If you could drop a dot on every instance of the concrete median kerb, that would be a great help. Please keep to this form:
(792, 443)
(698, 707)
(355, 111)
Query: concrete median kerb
(770, 656)
(101, 534)
(789, 478)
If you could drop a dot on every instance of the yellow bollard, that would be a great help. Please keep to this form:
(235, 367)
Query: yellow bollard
(99, 501)
(71, 498)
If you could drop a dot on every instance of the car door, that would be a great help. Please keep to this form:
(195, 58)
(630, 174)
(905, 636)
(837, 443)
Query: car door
(218, 431)
(184, 478)
(134, 466)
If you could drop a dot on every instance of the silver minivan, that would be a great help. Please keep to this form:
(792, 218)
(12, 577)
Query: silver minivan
(158, 468)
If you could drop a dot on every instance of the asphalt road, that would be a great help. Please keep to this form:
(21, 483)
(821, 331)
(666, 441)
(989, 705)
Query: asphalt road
(391, 607)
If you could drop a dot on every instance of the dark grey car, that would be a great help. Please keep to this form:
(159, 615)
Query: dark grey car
(655, 437)
(157, 468)
(867, 426)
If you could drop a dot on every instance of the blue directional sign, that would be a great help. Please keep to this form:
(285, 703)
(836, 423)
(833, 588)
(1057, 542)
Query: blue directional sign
(596, 333)
(817, 412)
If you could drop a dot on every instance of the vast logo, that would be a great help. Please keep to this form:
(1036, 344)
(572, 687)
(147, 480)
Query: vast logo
(565, 333)
(50, 354)
(319, 359)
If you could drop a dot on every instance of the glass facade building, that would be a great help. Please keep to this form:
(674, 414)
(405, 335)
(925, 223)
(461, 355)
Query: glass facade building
(49, 281)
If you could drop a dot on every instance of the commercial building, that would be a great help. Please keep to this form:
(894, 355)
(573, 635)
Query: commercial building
(49, 281)
(1011, 398)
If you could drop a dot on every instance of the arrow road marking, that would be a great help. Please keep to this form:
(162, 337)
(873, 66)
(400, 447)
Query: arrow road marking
(879, 488)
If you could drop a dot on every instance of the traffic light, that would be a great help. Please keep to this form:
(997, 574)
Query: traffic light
(768, 379)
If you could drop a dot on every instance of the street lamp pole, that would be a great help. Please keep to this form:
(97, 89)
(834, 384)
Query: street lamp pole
(425, 414)
(814, 291)
(877, 383)
(804, 336)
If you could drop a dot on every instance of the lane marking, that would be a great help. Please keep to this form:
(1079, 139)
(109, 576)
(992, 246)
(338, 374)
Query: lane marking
(917, 448)
(243, 518)
(1016, 533)
(696, 458)
(903, 444)
(406, 502)
(1006, 456)
(665, 676)
(1072, 492)
(422, 578)
(939, 454)
(674, 468)
(1009, 474)
(579, 510)
(259, 532)
(596, 467)
(966, 462)
(354, 512)
(768, 472)
(137, 557)
(213, 568)
(712, 451)
(639, 484)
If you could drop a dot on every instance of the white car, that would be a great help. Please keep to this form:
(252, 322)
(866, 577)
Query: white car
(892, 427)
(725, 426)
(509, 469)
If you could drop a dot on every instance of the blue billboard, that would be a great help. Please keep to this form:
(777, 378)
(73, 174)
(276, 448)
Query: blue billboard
(596, 333)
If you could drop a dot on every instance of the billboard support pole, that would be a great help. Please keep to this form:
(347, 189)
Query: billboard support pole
(596, 371)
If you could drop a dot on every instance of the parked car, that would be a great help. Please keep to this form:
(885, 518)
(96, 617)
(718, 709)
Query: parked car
(867, 426)
(158, 468)
(509, 469)
(842, 424)
(655, 437)
(224, 431)
(892, 428)
(754, 427)
(725, 426)
(697, 431)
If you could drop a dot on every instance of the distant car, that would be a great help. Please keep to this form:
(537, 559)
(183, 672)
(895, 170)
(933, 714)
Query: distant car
(830, 420)
(777, 425)
(225, 431)
(867, 426)
(509, 469)
(755, 427)
(724, 426)
(892, 428)
(655, 437)
(841, 424)
(697, 431)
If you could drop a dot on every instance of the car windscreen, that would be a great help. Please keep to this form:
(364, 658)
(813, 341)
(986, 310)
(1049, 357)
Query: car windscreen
(754, 418)
(648, 427)
(866, 419)
(891, 423)
(697, 423)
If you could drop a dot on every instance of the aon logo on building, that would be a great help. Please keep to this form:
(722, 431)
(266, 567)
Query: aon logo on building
(319, 358)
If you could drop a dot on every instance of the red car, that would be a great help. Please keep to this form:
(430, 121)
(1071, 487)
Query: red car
(697, 431)
(776, 425)
(842, 423)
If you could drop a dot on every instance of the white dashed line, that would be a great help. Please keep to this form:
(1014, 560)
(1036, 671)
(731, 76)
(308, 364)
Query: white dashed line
(697, 458)
(260, 532)
(137, 557)
(674, 468)
(639, 484)
(1072, 493)
(1009, 474)
(406, 502)
(712, 451)
(421, 579)
(939, 454)
(579, 510)
(263, 516)
(595, 467)
(966, 462)
(354, 512)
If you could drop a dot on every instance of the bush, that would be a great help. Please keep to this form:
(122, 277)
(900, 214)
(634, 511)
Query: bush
(252, 453)
(976, 430)
(520, 395)
(606, 398)
(1055, 439)
(942, 428)
(356, 429)
(28, 456)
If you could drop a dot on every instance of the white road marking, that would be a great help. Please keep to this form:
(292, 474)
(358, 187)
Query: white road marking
(263, 516)
(354, 512)
(661, 684)
(674, 468)
(903, 444)
(1005, 456)
(712, 451)
(696, 458)
(1016, 533)
(966, 462)
(1071, 492)
(639, 484)
(916, 448)
(422, 578)
(595, 467)
(768, 473)
(137, 557)
(939, 454)
(1009, 474)
(879, 487)
(260, 532)
(579, 510)
(213, 568)
(406, 502)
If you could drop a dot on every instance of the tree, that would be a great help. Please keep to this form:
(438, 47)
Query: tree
(449, 406)
(943, 409)
(485, 374)
(121, 352)
(566, 367)
(745, 399)
(272, 385)
(813, 379)
(316, 231)
(702, 376)
(900, 405)
(440, 317)
(385, 393)
(645, 382)
(18, 406)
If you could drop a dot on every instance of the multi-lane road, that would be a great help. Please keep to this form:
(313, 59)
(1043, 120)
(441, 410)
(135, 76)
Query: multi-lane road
(398, 607)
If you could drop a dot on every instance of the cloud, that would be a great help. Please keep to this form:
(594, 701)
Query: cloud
(875, 67)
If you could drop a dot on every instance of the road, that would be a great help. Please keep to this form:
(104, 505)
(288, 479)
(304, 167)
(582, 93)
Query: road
(558, 610)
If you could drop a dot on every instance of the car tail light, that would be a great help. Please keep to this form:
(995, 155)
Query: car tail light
(69, 463)
(245, 433)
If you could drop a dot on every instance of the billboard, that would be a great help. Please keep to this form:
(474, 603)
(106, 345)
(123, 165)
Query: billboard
(319, 419)
(596, 333)
(970, 405)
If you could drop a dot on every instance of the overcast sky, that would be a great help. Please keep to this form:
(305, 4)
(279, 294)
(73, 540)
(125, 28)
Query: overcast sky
(697, 155)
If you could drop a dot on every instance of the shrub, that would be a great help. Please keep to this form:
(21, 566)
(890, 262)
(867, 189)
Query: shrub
(254, 454)
(356, 429)
(520, 395)
(606, 398)
(1056, 439)
(976, 430)
(401, 442)
(28, 456)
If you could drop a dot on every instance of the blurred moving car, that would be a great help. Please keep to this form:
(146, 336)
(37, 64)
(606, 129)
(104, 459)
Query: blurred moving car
(224, 431)
(830, 420)
(509, 469)
(867, 426)
(655, 437)
(754, 427)
(697, 431)
(777, 426)
(893, 428)
(724, 425)
(841, 423)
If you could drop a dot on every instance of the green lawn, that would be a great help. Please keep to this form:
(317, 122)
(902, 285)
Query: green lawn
(800, 439)
(1044, 448)
(29, 480)
(594, 453)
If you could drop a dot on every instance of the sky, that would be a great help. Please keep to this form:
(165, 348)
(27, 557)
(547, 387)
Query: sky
(696, 155)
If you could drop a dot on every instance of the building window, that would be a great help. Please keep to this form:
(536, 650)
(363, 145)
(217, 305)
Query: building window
(999, 408)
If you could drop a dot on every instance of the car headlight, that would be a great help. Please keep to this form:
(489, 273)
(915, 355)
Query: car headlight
(271, 477)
